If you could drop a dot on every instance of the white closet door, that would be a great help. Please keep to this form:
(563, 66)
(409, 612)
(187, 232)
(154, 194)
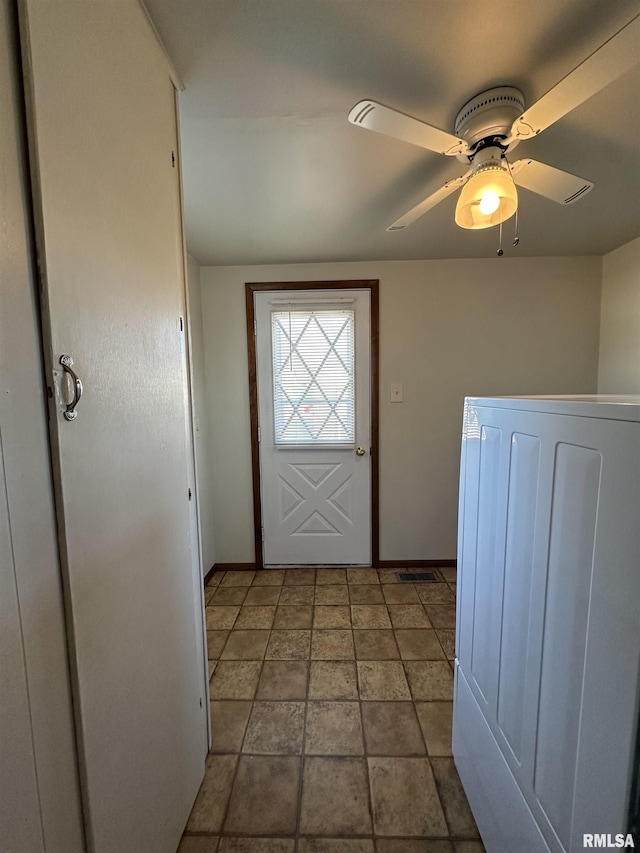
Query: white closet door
(104, 160)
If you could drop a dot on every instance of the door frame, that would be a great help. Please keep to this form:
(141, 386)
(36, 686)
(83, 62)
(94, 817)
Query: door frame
(372, 285)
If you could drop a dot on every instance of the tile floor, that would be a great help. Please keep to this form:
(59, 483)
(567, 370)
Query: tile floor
(331, 709)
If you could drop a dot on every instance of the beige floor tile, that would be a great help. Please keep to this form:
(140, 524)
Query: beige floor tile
(256, 845)
(245, 645)
(209, 592)
(264, 800)
(333, 679)
(228, 723)
(294, 616)
(365, 594)
(400, 593)
(430, 680)
(269, 577)
(300, 576)
(454, 801)
(219, 618)
(333, 728)
(447, 638)
(418, 644)
(435, 721)
(335, 845)
(370, 616)
(404, 798)
(412, 845)
(198, 844)
(332, 616)
(235, 679)
(216, 578)
(275, 728)
(391, 728)
(382, 680)
(255, 617)
(449, 573)
(226, 595)
(208, 810)
(331, 576)
(296, 595)
(469, 847)
(229, 595)
(408, 616)
(435, 593)
(389, 575)
(261, 595)
(215, 643)
(211, 667)
(288, 645)
(441, 615)
(362, 576)
(375, 645)
(238, 579)
(335, 797)
(332, 645)
(283, 679)
(332, 594)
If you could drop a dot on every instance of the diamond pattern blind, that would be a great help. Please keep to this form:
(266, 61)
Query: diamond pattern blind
(313, 376)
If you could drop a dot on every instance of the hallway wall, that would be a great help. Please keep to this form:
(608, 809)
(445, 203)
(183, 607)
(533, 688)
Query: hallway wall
(619, 367)
(448, 328)
(201, 417)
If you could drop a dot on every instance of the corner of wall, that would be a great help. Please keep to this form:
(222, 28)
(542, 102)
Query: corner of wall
(619, 345)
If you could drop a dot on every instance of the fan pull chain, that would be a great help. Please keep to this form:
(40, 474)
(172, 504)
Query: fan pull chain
(516, 239)
(500, 253)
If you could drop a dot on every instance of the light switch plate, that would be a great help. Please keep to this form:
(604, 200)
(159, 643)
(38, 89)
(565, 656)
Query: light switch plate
(396, 392)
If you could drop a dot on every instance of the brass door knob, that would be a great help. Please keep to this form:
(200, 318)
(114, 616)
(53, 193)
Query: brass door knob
(360, 451)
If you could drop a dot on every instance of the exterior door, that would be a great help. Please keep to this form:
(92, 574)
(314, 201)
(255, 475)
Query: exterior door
(314, 417)
(103, 139)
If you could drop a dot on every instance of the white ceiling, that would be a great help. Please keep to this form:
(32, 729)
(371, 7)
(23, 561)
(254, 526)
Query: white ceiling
(274, 173)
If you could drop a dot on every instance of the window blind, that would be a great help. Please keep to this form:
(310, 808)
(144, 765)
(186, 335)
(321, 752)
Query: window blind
(313, 376)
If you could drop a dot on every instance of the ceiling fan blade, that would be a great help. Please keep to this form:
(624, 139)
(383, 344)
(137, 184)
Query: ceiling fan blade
(552, 183)
(374, 116)
(429, 202)
(605, 65)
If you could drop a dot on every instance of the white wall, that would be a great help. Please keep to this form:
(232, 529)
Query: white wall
(619, 369)
(39, 791)
(447, 329)
(201, 417)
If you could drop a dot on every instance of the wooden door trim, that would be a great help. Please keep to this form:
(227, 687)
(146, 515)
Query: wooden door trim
(360, 284)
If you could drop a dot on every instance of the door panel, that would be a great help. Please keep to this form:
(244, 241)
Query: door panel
(104, 145)
(315, 488)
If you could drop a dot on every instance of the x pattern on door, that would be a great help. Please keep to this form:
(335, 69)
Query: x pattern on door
(315, 499)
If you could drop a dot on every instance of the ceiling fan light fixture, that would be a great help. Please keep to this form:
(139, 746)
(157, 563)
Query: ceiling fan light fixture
(489, 197)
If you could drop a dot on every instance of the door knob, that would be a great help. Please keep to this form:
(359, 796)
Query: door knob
(360, 451)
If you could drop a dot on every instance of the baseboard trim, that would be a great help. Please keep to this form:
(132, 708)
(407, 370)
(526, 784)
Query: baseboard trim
(416, 564)
(228, 567)
(382, 564)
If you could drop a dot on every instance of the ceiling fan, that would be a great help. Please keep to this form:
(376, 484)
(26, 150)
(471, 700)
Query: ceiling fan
(490, 125)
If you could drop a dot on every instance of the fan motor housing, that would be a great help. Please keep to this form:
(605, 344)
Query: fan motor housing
(489, 114)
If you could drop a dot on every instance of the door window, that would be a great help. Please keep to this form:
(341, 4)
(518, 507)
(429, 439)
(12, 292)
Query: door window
(313, 376)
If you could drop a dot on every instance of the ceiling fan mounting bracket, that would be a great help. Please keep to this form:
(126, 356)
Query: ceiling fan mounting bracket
(488, 117)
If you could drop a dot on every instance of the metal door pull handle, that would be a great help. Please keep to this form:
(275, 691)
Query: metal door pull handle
(67, 362)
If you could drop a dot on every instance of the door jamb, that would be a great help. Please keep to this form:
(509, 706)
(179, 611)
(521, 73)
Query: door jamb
(361, 284)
